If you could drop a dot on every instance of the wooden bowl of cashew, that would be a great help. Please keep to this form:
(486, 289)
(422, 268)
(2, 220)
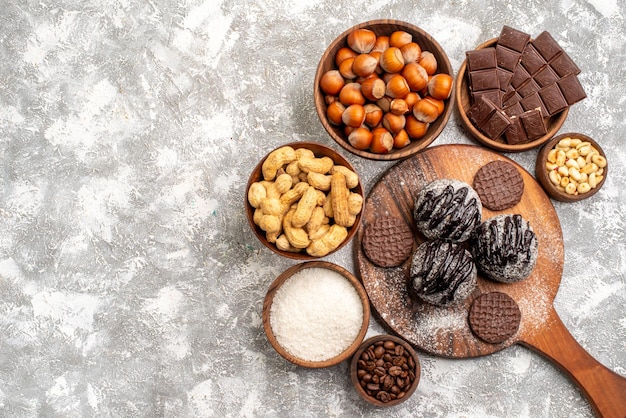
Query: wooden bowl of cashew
(304, 201)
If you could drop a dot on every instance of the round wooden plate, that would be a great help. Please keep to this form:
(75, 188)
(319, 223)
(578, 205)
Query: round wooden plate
(445, 331)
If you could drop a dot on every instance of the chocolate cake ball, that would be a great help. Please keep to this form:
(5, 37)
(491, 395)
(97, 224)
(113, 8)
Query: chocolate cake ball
(505, 248)
(442, 273)
(447, 209)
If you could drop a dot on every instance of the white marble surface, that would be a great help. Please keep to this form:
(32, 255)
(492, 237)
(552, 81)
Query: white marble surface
(130, 282)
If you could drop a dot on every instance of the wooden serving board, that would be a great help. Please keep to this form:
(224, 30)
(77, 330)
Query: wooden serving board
(445, 331)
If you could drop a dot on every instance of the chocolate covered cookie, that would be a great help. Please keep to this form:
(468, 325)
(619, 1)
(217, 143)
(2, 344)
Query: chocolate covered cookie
(447, 209)
(494, 317)
(505, 248)
(499, 185)
(442, 273)
(388, 241)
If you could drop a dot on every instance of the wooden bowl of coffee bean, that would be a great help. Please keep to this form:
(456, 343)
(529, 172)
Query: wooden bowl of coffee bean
(385, 370)
(571, 167)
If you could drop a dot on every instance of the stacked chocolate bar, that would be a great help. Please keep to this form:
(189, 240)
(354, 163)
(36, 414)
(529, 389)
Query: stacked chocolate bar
(518, 83)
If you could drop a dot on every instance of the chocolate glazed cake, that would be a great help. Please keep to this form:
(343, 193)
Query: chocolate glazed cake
(447, 209)
(505, 248)
(442, 273)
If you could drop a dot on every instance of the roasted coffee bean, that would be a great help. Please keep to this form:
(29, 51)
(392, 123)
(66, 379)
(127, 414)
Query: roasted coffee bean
(383, 396)
(399, 361)
(388, 383)
(399, 350)
(366, 377)
(388, 358)
(389, 344)
(373, 386)
(395, 371)
(370, 366)
(380, 371)
(411, 363)
(379, 351)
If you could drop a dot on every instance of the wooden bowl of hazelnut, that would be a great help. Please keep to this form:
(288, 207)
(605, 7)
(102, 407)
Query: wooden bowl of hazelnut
(385, 370)
(382, 89)
(464, 101)
(571, 167)
(304, 200)
(316, 314)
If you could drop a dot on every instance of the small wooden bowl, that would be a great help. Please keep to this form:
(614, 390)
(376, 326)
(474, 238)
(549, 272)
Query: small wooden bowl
(463, 100)
(357, 356)
(542, 173)
(257, 175)
(383, 27)
(286, 275)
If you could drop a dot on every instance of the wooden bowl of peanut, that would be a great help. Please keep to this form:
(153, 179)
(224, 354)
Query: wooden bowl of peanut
(304, 201)
(382, 89)
(571, 167)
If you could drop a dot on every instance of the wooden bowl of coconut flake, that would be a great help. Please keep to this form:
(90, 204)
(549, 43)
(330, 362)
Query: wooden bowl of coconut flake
(316, 314)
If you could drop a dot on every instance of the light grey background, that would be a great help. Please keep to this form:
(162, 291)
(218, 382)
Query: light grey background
(130, 282)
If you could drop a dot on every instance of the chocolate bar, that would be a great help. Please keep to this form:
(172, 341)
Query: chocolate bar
(545, 44)
(510, 99)
(504, 78)
(528, 88)
(542, 64)
(571, 88)
(519, 82)
(488, 117)
(563, 65)
(481, 59)
(494, 95)
(520, 77)
(553, 99)
(526, 127)
(534, 102)
(532, 59)
(533, 124)
(513, 38)
(516, 135)
(515, 109)
(480, 110)
(545, 76)
(484, 79)
(495, 125)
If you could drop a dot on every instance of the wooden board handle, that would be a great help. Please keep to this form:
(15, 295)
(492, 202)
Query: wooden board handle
(604, 389)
